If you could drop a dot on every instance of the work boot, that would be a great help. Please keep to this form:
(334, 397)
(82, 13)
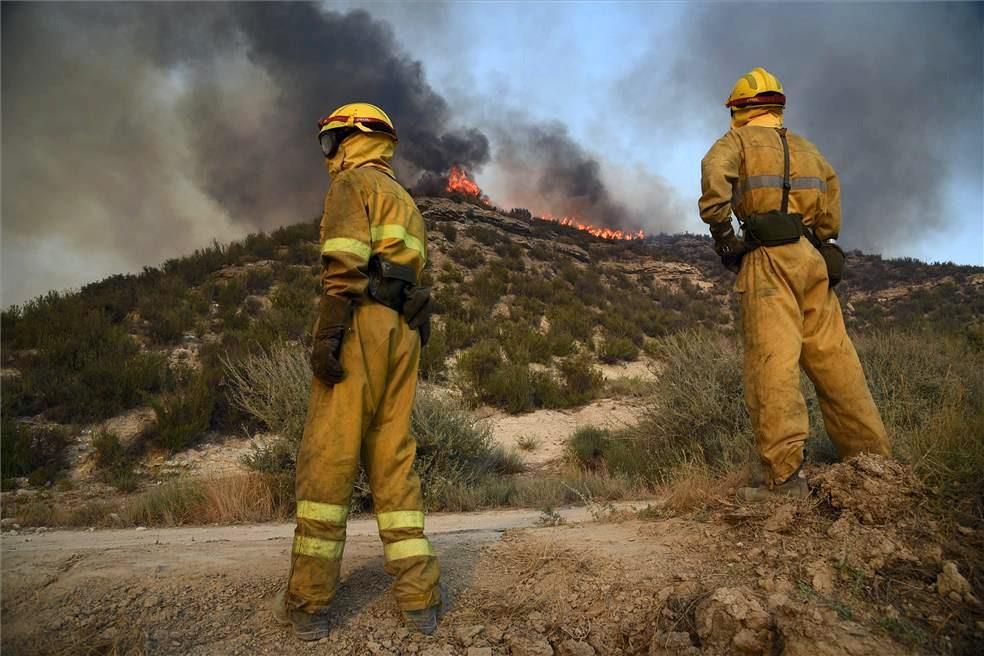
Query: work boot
(795, 487)
(307, 626)
(425, 620)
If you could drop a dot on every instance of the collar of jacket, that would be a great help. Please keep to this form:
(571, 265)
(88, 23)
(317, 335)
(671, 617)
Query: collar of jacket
(369, 149)
(768, 117)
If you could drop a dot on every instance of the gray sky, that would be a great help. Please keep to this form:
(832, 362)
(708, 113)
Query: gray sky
(135, 133)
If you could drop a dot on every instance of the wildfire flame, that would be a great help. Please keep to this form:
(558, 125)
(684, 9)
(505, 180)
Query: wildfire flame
(459, 180)
(604, 233)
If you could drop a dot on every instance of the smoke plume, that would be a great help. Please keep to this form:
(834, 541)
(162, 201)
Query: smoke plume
(891, 93)
(135, 132)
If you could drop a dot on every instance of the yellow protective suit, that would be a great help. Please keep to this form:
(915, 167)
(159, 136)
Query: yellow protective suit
(790, 317)
(367, 414)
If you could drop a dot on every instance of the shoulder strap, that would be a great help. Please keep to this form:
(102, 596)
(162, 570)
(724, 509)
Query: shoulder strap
(785, 171)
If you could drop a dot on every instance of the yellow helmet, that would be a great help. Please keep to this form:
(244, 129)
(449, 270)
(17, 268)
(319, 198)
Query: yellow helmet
(341, 123)
(757, 88)
(363, 116)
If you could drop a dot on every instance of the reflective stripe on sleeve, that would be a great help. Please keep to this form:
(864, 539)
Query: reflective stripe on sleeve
(322, 512)
(306, 545)
(400, 519)
(394, 231)
(766, 181)
(346, 245)
(408, 549)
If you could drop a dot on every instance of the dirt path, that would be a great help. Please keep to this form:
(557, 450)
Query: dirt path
(856, 569)
(204, 590)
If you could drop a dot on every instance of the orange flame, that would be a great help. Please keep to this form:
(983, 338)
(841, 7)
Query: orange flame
(459, 180)
(604, 233)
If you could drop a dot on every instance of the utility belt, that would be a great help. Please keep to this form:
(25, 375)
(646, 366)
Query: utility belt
(395, 286)
(777, 228)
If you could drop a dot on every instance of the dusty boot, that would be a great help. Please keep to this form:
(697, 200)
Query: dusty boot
(307, 626)
(795, 487)
(425, 620)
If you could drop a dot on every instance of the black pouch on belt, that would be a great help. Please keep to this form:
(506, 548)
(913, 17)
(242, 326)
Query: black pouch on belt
(388, 282)
(774, 228)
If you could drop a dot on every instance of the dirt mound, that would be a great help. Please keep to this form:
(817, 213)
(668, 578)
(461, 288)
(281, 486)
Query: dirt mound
(876, 490)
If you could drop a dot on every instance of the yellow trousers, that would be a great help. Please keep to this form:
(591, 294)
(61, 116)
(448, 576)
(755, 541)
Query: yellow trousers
(790, 318)
(367, 415)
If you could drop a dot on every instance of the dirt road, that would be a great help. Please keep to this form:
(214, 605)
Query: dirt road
(204, 590)
(852, 570)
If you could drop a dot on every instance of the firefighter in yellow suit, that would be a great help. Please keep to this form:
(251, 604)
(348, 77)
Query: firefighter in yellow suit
(787, 197)
(372, 319)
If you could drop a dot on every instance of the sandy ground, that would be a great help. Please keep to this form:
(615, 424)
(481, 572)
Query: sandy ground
(550, 430)
(205, 590)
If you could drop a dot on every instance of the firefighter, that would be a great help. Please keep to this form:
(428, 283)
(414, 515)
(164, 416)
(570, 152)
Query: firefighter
(786, 197)
(372, 321)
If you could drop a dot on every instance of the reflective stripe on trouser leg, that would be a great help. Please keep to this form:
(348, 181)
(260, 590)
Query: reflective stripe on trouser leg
(327, 465)
(772, 333)
(388, 453)
(849, 413)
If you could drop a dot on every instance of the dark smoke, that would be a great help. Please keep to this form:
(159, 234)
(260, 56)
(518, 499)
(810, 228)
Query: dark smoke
(549, 172)
(893, 94)
(138, 131)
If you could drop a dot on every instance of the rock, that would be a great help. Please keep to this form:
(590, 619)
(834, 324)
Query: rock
(525, 647)
(822, 577)
(113, 517)
(141, 528)
(672, 643)
(493, 633)
(782, 519)
(731, 620)
(951, 584)
(7, 522)
(12, 533)
(479, 651)
(876, 489)
(466, 634)
(573, 647)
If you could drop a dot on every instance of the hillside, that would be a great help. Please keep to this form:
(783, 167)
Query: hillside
(530, 314)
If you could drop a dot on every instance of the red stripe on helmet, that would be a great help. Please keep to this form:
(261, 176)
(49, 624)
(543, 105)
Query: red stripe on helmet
(761, 99)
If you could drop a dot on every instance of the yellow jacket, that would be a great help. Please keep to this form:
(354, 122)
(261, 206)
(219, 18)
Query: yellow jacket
(367, 212)
(742, 173)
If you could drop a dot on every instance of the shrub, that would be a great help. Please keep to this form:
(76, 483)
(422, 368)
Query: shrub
(433, 356)
(582, 381)
(183, 414)
(273, 385)
(86, 368)
(32, 451)
(698, 413)
(114, 463)
(618, 349)
(449, 231)
(588, 446)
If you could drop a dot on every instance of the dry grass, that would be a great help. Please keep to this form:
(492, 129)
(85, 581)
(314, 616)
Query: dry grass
(251, 497)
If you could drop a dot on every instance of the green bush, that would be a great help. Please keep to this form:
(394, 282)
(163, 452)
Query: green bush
(183, 414)
(582, 382)
(618, 349)
(433, 356)
(449, 231)
(32, 451)
(697, 415)
(87, 368)
(589, 445)
(115, 465)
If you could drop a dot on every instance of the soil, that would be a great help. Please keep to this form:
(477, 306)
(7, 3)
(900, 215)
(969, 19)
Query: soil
(812, 576)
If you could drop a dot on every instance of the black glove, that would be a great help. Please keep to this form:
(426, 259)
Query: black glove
(334, 316)
(417, 308)
(425, 332)
(728, 246)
